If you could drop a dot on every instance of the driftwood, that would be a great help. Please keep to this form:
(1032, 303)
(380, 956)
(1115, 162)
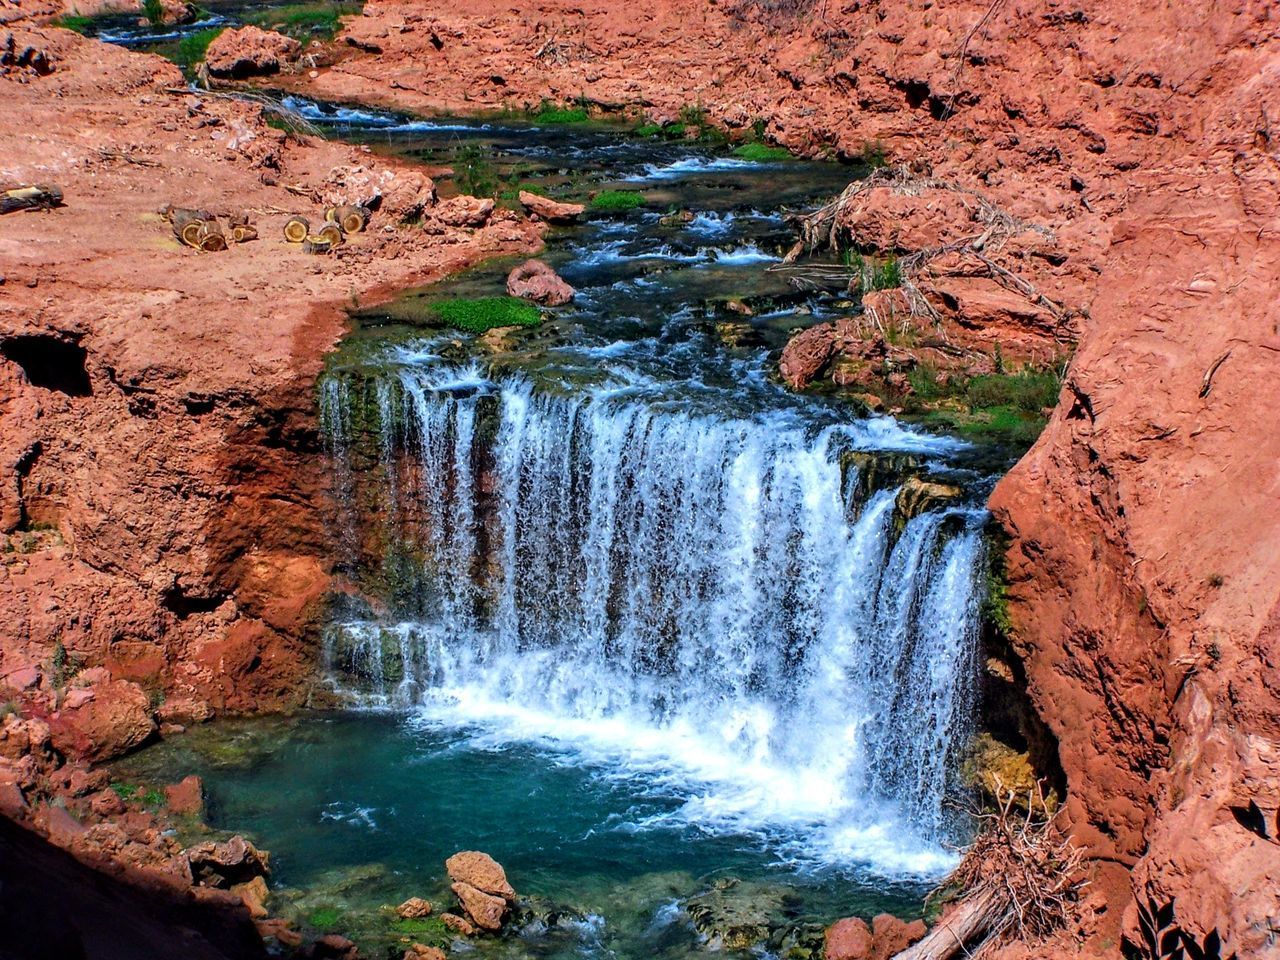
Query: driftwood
(40, 196)
(297, 229)
(1023, 876)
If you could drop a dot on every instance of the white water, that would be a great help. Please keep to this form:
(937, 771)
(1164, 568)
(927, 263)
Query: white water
(696, 598)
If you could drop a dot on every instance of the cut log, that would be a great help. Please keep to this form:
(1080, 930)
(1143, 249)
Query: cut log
(331, 232)
(297, 230)
(969, 923)
(315, 244)
(353, 219)
(242, 233)
(211, 238)
(330, 214)
(187, 226)
(40, 196)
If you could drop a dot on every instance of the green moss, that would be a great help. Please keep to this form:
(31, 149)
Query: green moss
(306, 20)
(191, 49)
(617, 200)
(995, 601)
(486, 313)
(72, 21)
(325, 918)
(421, 928)
(762, 153)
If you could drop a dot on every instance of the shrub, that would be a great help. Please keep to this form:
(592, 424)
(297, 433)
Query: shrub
(617, 200)
(647, 130)
(874, 154)
(762, 153)
(486, 313)
(153, 10)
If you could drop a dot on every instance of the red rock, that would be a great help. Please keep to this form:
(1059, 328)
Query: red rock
(806, 354)
(184, 710)
(534, 280)
(24, 678)
(12, 803)
(63, 828)
(485, 910)
(481, 871)
(106, 803)
(848, 939)
(463, 211)
(103, 721)
(280, 929)
(185, 797)
(336, 946)
(249, 52)
(420, 951)
(891, 936)
(550, 210)
(458, 924)
(253, 894)
(414, 907)
(227, 863)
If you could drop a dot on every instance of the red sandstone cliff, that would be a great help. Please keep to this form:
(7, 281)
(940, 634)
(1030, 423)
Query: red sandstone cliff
(1145, 522)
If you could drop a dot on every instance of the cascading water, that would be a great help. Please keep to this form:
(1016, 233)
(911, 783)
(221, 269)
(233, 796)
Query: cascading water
(716, 599)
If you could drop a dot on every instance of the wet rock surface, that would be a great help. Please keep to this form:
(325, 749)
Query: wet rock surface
(534, 280)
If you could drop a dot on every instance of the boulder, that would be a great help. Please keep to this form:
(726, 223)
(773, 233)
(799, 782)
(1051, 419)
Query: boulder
(486, 910)
(534, 280)
(463, 211)
(397, 195)
(102, 721)
(550, 210)
(249, 52)
(420, 951)
(184, 710)
(892, 935)
(413, 908)
(806, 354)
(186, 797)
(24, 678)
(458, 924)
(920, 496)
(480, 871)
(226, 864)
(253, 894)
(848, 939)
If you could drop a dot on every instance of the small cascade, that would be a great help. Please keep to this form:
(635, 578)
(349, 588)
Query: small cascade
(673, 589)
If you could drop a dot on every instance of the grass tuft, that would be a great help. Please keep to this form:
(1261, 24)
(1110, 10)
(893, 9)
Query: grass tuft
(613, 201)
(549, 112)
(304, 21)
(74, 21)
(486, 313)
(153, 10)
(762, 153)
(192, 48)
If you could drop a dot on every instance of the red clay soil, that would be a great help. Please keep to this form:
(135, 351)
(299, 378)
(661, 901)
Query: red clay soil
(1144, 524)
(162, 484)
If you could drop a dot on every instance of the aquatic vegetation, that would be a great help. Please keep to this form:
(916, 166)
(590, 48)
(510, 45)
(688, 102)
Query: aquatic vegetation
(762, 152)
(325, 918)
(486, 313)
(617, 200)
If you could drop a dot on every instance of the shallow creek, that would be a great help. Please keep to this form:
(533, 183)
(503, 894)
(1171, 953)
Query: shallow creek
(661, 637)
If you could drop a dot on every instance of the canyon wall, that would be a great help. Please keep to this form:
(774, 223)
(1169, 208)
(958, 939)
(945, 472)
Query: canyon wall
(1143, 563)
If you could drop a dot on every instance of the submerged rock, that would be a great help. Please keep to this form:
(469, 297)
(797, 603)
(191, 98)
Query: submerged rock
(413, 908)
(486, 910)
(458, 924)
(921, 496)
(733, 915)
(534, 280)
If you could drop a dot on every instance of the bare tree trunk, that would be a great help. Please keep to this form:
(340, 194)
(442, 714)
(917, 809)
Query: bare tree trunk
(967, 924)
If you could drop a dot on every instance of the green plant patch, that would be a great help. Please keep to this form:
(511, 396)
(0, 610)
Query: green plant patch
(549, 112)
(421, 928)
(307, 20)
(191, 49)
(486, 313)
(125, 791)
(72, 21)
(648, 130)
(153, 10)
(1029, 391)
(762, 153)
(617, 200)
(325, 918)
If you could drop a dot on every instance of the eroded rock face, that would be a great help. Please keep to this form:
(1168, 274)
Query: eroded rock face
(534, 280)
(806, 354)
(249, 52)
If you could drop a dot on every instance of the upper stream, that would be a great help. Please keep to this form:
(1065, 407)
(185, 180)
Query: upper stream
(645, 618)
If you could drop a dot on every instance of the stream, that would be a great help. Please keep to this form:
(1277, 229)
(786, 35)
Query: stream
(665, 639)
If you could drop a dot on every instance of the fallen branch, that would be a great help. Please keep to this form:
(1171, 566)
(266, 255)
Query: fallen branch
(1207, 383)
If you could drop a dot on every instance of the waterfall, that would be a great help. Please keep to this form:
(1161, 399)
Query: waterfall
(676, 589)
